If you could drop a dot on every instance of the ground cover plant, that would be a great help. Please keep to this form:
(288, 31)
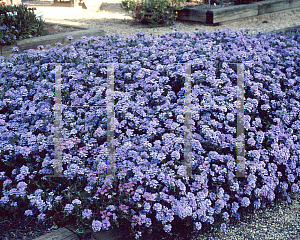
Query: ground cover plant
(149, 195)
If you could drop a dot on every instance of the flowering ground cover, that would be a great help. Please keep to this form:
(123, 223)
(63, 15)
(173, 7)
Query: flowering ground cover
(150, 195)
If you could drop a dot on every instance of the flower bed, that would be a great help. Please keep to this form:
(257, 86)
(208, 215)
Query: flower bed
(149, 195)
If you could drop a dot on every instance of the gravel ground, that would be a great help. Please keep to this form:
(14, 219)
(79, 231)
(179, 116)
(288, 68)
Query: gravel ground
(276, 221)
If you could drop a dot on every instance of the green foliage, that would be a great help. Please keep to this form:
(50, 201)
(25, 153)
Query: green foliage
(154, 12)
(18, 22)
(128, 5)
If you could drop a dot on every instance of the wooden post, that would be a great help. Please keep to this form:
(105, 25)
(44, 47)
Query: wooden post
(15, 2)
(74, 3)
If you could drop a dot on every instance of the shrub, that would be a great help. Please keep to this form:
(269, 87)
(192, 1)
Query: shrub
(149, 195)
(18, 22)
(155, 12)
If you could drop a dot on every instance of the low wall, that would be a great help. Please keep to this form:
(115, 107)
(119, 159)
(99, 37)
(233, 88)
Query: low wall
(217, 15)
(32, 43)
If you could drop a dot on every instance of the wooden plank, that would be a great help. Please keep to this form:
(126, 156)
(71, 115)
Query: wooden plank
(193, 13)
(111, 234)
(32, 43)
(103, 235)
(286, 31)
(272, 6)
(233, 13)
(247, 18)
(66, 25)
(59, 234)
(68, 233)
(294, 3)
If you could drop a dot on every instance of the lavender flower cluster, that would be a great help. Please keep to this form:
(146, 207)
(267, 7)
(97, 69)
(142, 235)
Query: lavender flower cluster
(149, 133)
